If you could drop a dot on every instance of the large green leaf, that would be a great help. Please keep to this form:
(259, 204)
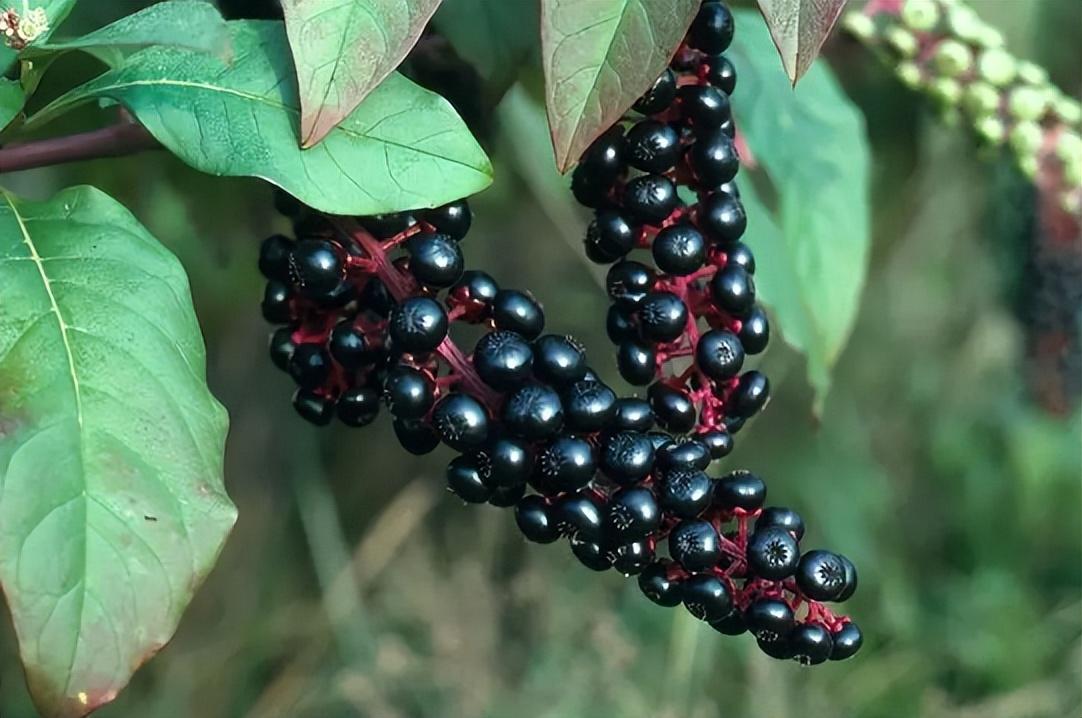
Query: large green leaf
(403, 147)
(343, 49)
(497, 38)
(599, 57)
(811, 143)
(12, 98)
(799, 29)
(112, 509)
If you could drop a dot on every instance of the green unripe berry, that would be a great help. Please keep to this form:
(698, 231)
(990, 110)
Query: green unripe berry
(980, 99)
(1028, 165)
(1068, 109)
(1071, 202)
(902, 41)
(859, 25)
(1026, 139)
(945, 91)
(997, 67)
(989, 38)
(920, 15)
(1072, 173)
(952, 58)
(909, 74)
(1069, 148)
(964, 23)
(1027, 103)
(991, 129)
(1032, 73)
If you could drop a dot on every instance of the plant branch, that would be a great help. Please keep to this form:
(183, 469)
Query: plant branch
(123, 138)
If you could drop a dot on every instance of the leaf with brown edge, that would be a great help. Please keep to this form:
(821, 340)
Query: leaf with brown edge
(799, 28)
(599, 57)
(343, 49)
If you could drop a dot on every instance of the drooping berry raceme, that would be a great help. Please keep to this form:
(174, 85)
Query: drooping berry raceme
(370, 306)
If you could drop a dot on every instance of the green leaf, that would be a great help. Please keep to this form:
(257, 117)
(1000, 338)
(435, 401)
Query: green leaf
(112, 509)
(497, 38)
(799, 29)
(599, 57)
(344, 49)
(811, 143)
(402, 148)
(191, 24)
(56, 10)
(12, 98)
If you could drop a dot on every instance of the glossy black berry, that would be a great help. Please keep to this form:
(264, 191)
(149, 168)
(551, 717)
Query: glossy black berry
(721, 73)
(733, 290)
(650, 198)
(731, 625)
(652, 146)
(276, 302)
(627, 457)
(452, 219)
(772, 553)
(506, 496)
(679, 249)
(781, 517)
(684, 454)
(589, 190)
(769, 619)
(631, 515)
(620, 324)
(534, 411)
(632, 414)
(310, 366)
(656, 585)
(313, 407)
(476, 287)
(722, 217)
(591, 555)
(518, 312)
(503, 359)
(740, 490)
(740, 255)
(409, 393)
(672, 407)
(712, 29)
(821, 575)
(358, 406)
(435, 260)
(558, 360)
(719, 354)
(461, 422)
(705, 107)
(349, 346)
(628, 282)
(751, 394)
(375, 298)
(464, 481)
(611, 233)
(685, 492)
(604, 160)
(810, 644)
(663, 316)
(637, 362)
(416, 437)
(385, 226)
(778, 648)
(566, 464)
(718, 442)
(418, 325)
(588, 406)
(315, 268)
(579, 516)
(707, 597)
(282, 347)
(535, 519)
(755, 331)
(847, 641)
(713, 159)
(633, 558)
(659, 96)
(506, 461)
(274, 257)
(850, 580)
(695, 545)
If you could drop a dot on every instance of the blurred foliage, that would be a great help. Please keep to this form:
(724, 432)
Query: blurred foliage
(958, 500)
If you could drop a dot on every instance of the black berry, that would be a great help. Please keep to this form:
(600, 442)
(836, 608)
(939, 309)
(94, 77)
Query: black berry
(663, 316)
(650, 198)
(460, 421)
(518, 312)
(707, 597)
(627, 457)
(712, 29)
(656, 585)
(533, 412)
(659, 96)
(740, 490)
(719, 354)
(679, 249)
(435, 260)
(358, 406)
(695, 545)
(418, 325)
(685, 492)
(558, 360)
(408, 392)
(316, 268)
(503, 359)
(452, 219)
(772, 553)
(315, 408)
(821, 575)
(535, 520)
(652, 146)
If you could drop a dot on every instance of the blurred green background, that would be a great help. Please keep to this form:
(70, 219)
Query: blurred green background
(353, 585)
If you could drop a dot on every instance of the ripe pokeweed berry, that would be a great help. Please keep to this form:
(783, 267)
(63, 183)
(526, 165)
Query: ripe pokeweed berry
(631, 515)
(672, 407)
(534, 412)
(350, 347)
(712, 29)
(620, 324)
(505, 461)
(652, 146)
(503, 359)
(282, 347)
(650, 198)
(578, 516)
(453, 219)
(558, 360)
(416, 437)
(755, 331)
(627, 457)
(713, 158)
(810, 643)
(460, 421)
(740, 254)
(631, 559)
(679, 249)
(681, 453)
(603, 162)
(435, 260)
(722, 217)
(632, 414)
(850, 580)
(821, 575)
(707, 597)
(637, 362)
(518, 312)
(276, 302)
(731, 625)
(781, 517)
(721, 74)
(718, 442)
(535, 520)
(628, 282)
(274, 257)
(476, 290)
(312, 225)
(506, 496)
(719, 354)
(733, 424)
(591, 555)
(385, 226)
(656, 585)
(588, 406)
(706, 108)
(611, 233)
(685, 492)
(772, 553)
(695, 545)
(464, 481)
(596, 253)
(659, 96)
(752, 393)
(588, 189)
(847, 641)
(659, 439)
(729, 188)
(316, 268)
(375, 298)
(408, 393)
(740, 490)
(566, 464)
(778, 648)
(663, 316)
(313, 407)
(733, 290)
(310, 366)
(358, 406)
(769, 619)
(418, 325)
